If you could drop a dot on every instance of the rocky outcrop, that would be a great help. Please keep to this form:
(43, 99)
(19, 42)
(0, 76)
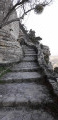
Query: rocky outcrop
(43, 56)
(10, 49)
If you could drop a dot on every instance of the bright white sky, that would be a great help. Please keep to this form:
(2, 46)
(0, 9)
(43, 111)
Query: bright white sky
(46, 26)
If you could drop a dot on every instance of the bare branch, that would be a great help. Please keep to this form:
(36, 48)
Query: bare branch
(25, 8)
(11, 10)
(16, 19)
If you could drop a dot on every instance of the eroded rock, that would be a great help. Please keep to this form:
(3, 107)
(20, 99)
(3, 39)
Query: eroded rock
(10, 49)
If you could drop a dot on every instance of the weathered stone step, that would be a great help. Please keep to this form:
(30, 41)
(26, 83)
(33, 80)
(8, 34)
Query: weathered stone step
(27, 47)
(21, 77)
(29, 51)
(23, 114)
(16, 95)
(32, 69)
(28, 58)
(28, 66)
(31, 54)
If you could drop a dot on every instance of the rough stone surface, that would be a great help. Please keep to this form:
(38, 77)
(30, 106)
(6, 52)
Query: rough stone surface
(54, 85)
(23, 94)
(25, 115)
(10, 49)
(43, 56)
(21, 76)
(28, 66)
(27, 58)
(12, 28)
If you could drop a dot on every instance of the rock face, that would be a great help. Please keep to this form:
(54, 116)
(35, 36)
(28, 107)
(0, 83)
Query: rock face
(56, 69)
(10, 49)
(43, 56)
(13, 28)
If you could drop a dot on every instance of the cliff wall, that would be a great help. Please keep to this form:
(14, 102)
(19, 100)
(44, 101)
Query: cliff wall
(10, 49)
(12, 28)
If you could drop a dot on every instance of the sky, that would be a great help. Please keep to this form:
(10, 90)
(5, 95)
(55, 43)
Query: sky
(46, 26)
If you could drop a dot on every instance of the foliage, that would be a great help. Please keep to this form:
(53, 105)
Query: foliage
(4, 70)
(39, 9)
(33, 37)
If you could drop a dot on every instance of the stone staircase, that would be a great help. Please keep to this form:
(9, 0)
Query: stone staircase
(23, 92)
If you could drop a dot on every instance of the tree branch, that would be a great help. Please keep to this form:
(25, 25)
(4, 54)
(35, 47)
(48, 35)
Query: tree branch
(16, 19)
(11, 10)
(5, 20)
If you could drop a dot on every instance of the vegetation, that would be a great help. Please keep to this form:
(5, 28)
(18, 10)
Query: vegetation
(4, 70)
(33, 37)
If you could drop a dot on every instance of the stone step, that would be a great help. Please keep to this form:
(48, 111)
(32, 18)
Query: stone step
(24, 94)
(28, 58)
(27, 47)
(25, 66)
(31, 54)
(29, 51)
(32, 69)
(23, 114)
(19, 77)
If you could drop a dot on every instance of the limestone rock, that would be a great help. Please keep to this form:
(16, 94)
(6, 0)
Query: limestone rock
(56, 69)
(10, 49)
(43, 56)
(12, 28)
